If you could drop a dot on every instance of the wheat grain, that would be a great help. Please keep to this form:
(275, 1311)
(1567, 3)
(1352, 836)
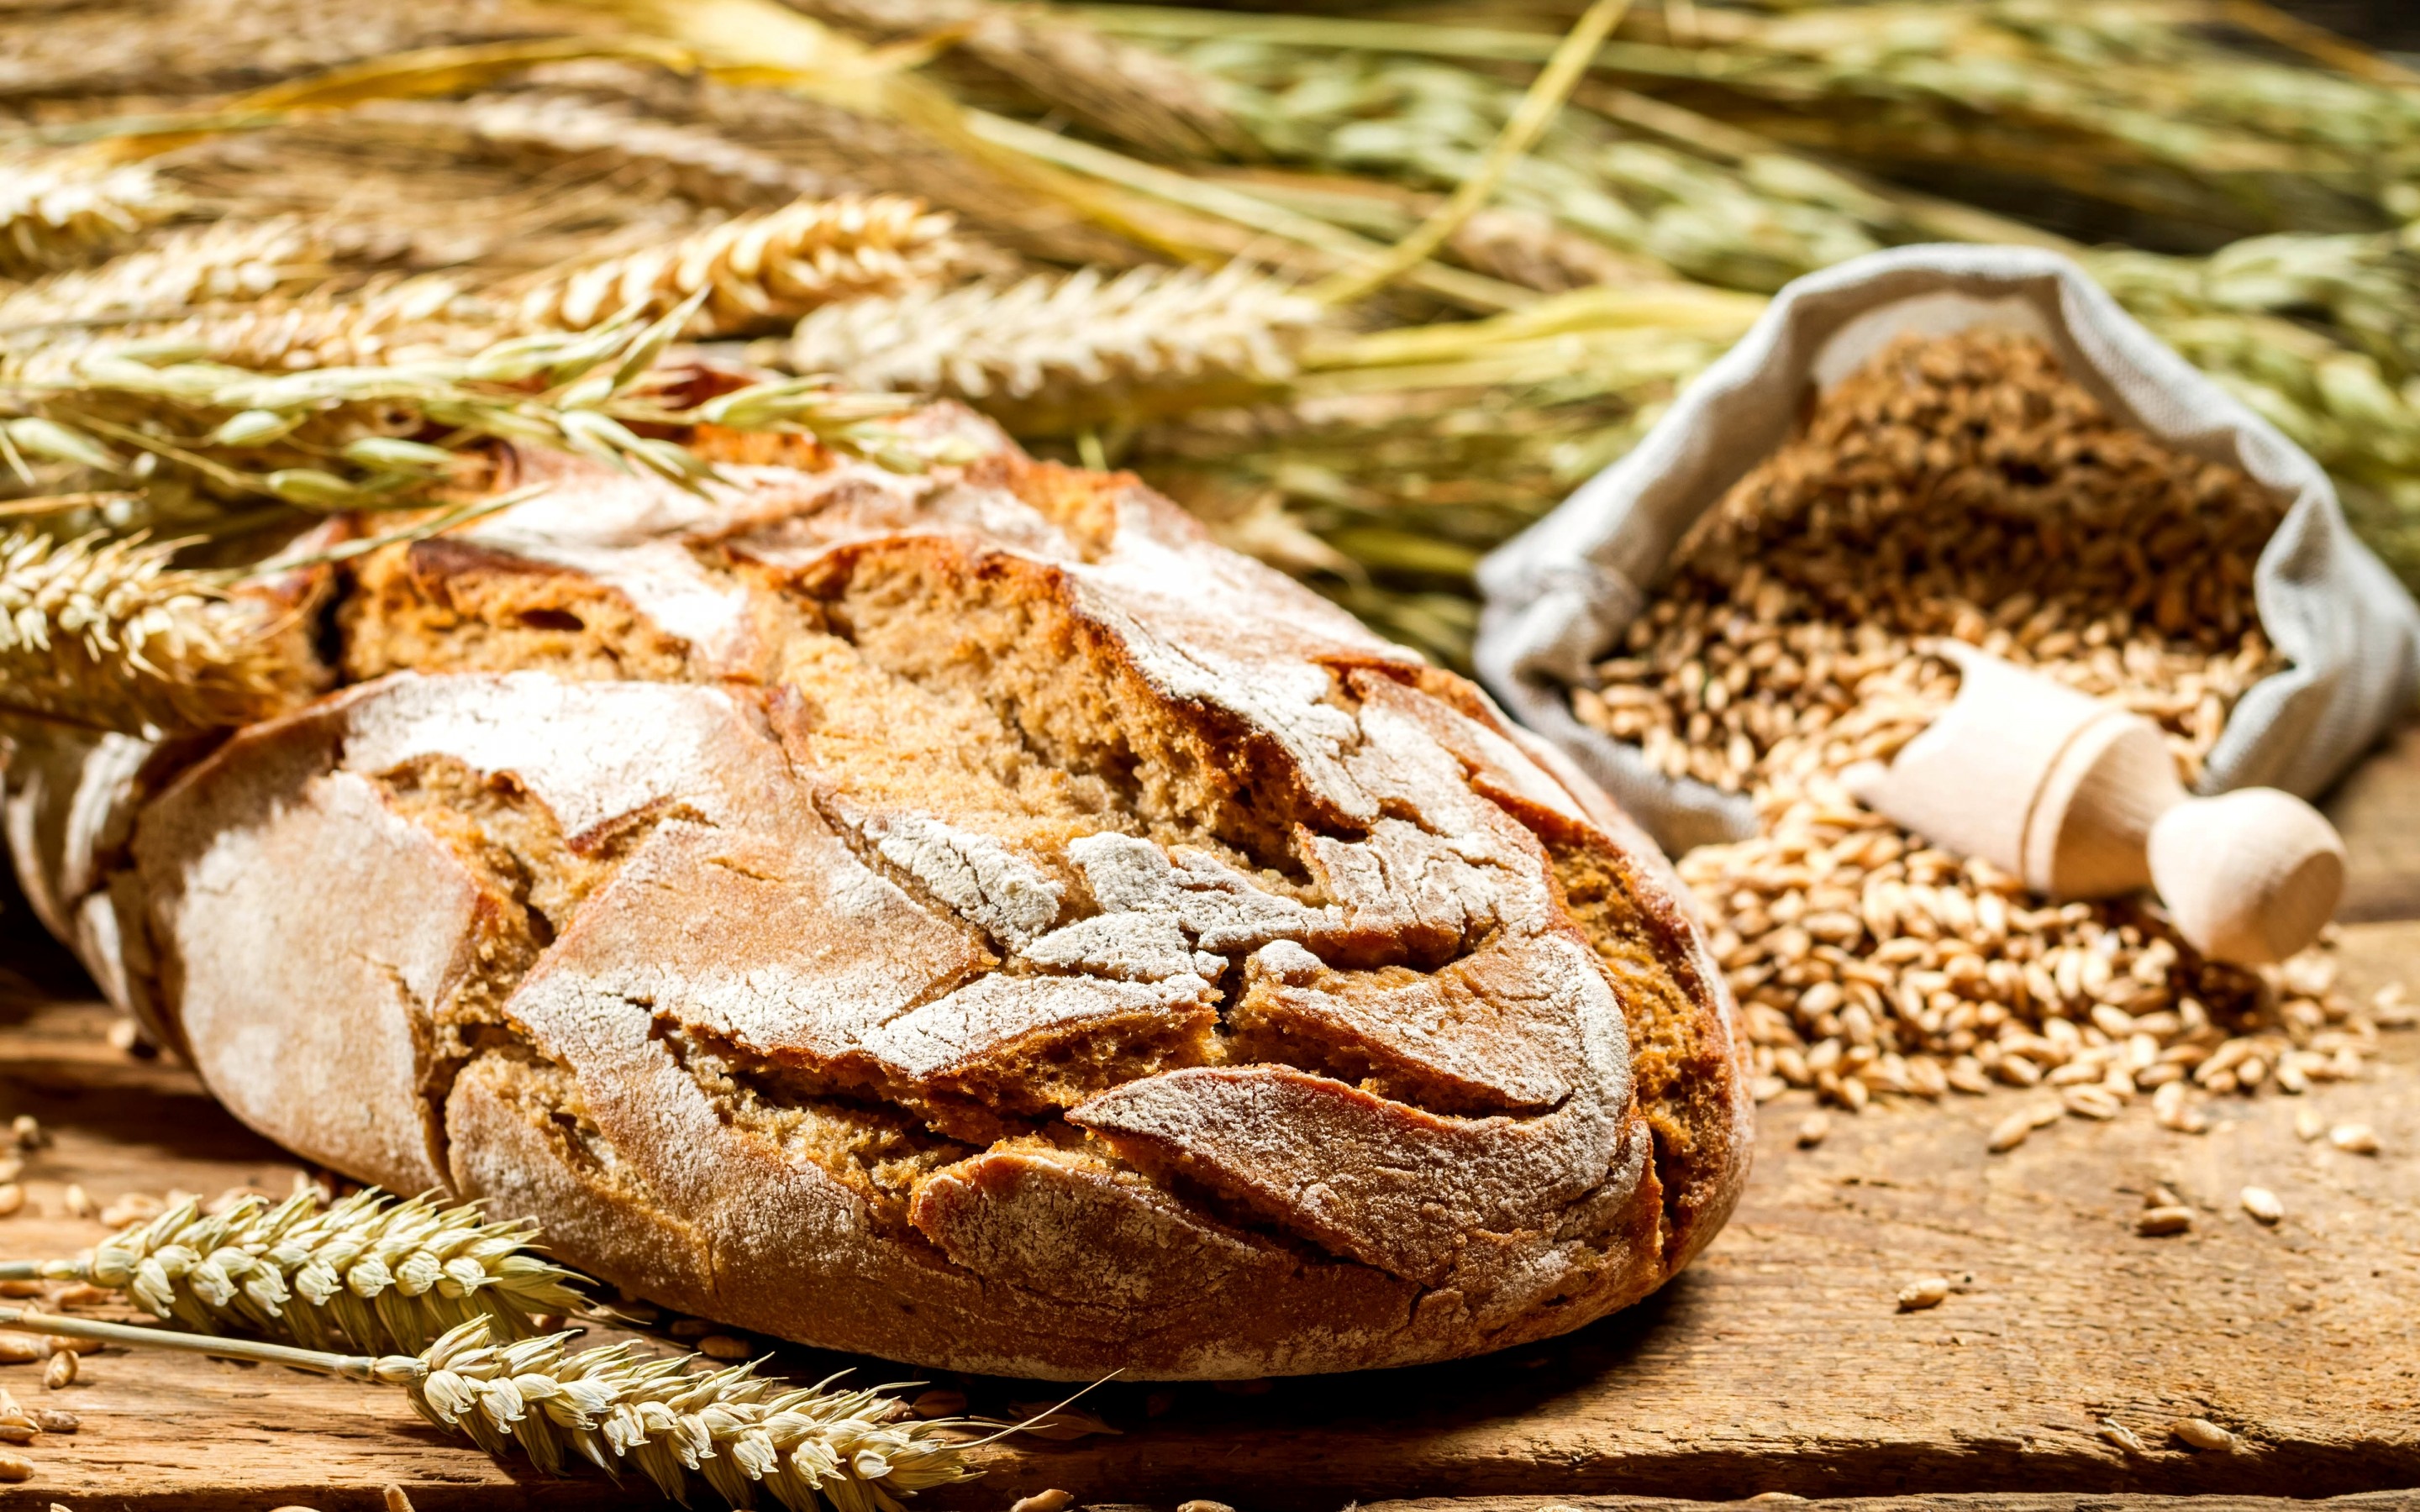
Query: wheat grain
(1959, 490)
(57, 212)
(61, 1372)
(2166, 1219)
(225, 261)
(109, 634)
(2263, 1204)
(371, 1271)
(1141, 97)
(756, 272)
(2201, 1433)
(2354, 1138)
(1059, 351)
(1923, 1292)
(738, 1431)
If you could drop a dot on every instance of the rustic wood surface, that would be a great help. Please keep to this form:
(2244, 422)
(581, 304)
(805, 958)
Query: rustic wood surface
(1777, 1364)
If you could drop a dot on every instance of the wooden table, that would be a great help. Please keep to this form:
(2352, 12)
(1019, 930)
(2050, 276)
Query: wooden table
(1777, 1364)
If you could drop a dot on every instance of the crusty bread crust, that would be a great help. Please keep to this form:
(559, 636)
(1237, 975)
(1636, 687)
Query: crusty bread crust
(969, 920)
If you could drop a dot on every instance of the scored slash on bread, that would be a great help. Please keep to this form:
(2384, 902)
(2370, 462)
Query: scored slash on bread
(967, 918)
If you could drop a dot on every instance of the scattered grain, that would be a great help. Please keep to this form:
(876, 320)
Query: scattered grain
(2157, 1221)
(1961, 489)
(2013, 1130)
(725, 1346)
(2263, 1204)
(20, 1289)
(83, 1294)
(15, 1468)
(17, 1429)
(17, 1348)
(27, 1131)
(1922, 1292)
(2123, 1437)
(79, 1202)
(2162, 1195)
(1203, 1505)
(50, 1420)
(1053, 1500)
(2201, 1433)
(395, 1500)
(61, 1372)
(941, 1401)
(11, 1168)
(134, 1208)
(2354, 1138)
(2308, 1124)
(1812, 1130)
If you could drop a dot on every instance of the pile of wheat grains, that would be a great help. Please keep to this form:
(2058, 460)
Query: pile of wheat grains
(1962, 488)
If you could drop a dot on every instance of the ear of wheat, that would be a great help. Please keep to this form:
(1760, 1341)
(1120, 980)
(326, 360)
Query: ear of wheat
(109, 634)
(371, 1272)
(223, 261)
(709, 167)
(57, 212)
(1144, 98)
(1058, 351)
(736, 1430)
(756, 272)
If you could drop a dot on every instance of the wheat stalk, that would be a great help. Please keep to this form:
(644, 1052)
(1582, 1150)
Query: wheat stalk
(754, 272)
(1055, 350)
(737, 1431)
(1143, 98)
(109, 634)
(372, 1270)
(558, 126)
(56, 212)
(223, 261)
(347, 438)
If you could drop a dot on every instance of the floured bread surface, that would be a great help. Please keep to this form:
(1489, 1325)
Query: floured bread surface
(968, 918)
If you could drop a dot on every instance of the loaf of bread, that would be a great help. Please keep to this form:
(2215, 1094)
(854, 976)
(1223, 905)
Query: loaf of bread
(967, 918)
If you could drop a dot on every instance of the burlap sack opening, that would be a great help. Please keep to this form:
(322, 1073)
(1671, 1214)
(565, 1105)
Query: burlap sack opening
(1560, 595)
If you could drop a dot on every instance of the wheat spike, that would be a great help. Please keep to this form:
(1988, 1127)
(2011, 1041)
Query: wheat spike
(734, 1428)
(59, 213)
(739, 1432)
(111, 634)
(1082, 341)
(756, 272)
(372, 1272)
(1148, 98)
(221, 262)
(552, 127)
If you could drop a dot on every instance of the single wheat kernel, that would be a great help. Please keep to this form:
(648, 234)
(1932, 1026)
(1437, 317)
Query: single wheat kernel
(50, 1420)
(17, 1348)
(83, 1294)
(2201, 1433)
(1053, 1500)
(1922, 1292)
(79, 1202)
(11, 1168)
(18, 1429)
(1203, 1505)
(395, 1500)
(725, 1346)
(2010, 1132)
(2308, 1125)
(1812, 1130)
(2162, 1195)
(2156, 1221)
(12, 1197)
(124, 1034)
(941, 1401)
(16, 1468)
(61, 1372)
(2354, 1138)
(2263, 1204)
(20, 1289)
(2123, 1437)
(27, 1131)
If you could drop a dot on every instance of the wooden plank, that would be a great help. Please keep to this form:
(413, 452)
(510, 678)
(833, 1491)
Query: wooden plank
(1958, 1502)
(2377, 811)
(1776, 1364)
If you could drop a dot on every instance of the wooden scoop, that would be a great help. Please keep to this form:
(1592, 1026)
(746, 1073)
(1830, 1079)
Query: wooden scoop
(2080, 798)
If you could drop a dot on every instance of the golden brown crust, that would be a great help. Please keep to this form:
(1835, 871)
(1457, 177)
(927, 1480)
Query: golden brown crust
(968, 919)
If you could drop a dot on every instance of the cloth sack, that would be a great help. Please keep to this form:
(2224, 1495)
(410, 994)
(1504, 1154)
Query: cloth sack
(1560, 595)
